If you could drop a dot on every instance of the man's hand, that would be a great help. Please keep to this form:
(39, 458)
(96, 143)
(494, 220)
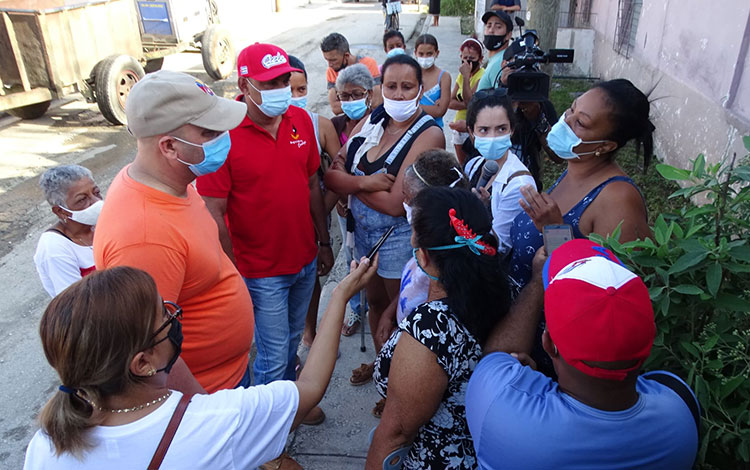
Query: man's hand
(325, 260)
(385, 329)
(378, 182)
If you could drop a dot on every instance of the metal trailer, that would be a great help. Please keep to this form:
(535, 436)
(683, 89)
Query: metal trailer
(53, 48)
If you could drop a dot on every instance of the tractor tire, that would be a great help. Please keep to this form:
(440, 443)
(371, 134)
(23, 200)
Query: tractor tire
(115, 76)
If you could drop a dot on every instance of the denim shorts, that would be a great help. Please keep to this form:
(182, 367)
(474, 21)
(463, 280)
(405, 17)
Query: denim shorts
(369, 226)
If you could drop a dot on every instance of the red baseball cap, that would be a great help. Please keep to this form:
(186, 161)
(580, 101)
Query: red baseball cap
(263, 62)
(596, 309)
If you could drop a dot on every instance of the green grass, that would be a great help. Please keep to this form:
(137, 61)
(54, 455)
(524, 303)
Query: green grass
(655, 189)
(457, 7)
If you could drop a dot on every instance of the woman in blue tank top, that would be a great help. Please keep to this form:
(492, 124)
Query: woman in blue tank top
(437, 82)
(593, 194)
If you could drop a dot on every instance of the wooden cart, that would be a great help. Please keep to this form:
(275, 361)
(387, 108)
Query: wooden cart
(53, 48)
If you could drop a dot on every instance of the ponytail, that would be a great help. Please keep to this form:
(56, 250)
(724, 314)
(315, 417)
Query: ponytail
(65, 419)
(630, 116)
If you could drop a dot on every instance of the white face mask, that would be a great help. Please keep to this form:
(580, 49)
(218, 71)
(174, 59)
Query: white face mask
(87, 216)
(400, 111)
(407, 209)
(426, 62)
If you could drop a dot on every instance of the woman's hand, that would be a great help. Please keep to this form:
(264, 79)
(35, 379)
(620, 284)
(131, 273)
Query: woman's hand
(385, 329)
(465, 68)
(377, 182)
(482, 194)
(359, 275)
(542, 209)
(459, 126)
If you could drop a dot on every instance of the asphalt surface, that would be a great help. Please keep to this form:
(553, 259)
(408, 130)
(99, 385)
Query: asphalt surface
(73, 131)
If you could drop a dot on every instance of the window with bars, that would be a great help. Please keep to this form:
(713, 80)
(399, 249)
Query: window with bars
(628, 13)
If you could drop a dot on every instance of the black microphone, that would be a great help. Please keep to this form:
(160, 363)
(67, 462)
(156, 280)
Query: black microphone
(489, 170)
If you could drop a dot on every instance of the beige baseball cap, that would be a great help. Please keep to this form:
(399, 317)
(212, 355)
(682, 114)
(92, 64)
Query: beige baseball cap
(163, 101)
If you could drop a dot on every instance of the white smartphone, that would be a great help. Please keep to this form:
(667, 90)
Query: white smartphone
(556, 235)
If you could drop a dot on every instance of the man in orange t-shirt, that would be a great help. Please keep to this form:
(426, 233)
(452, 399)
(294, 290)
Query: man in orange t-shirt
(156, 221)
(335, 49)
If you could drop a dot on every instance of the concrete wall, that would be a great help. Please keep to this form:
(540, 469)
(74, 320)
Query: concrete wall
(694, 55)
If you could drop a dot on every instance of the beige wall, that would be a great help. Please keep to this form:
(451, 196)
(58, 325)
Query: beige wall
(694, 55)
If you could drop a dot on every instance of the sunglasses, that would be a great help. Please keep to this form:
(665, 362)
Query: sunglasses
(173, 312)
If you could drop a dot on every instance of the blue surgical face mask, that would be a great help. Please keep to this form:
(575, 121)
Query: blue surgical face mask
(299, 101)
(354, 109)
(414, 253)
(395, 51)
(215, 153)
(561, 139)
(273, 102)
(492, 148)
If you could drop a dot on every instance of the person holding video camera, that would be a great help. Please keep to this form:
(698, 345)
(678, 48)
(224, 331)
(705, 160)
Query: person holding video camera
(498, 28)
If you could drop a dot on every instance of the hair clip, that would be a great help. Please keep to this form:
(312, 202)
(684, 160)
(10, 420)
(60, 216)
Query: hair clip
(469, 238)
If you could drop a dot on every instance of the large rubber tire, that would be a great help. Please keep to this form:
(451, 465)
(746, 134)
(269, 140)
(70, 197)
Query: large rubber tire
(217, 52)
(153, 65)
(31, 111)
(115, 76)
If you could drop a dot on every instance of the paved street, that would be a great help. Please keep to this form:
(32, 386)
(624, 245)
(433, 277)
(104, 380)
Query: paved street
(73, 131)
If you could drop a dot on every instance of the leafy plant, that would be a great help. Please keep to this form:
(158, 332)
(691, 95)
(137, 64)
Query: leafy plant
(457, 7)
(697, 268)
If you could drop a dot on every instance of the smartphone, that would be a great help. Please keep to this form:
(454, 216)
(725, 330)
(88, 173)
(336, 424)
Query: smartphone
(556, 235)
(380, 242)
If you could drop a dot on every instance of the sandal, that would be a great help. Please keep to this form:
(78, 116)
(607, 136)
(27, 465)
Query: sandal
(362, 374)
(351, 324)
(379, 407)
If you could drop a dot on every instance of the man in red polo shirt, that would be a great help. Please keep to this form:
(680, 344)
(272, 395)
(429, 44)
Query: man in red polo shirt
(267, 203)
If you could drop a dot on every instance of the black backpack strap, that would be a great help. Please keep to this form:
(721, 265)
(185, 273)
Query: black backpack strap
(518, 173)
(682, 391)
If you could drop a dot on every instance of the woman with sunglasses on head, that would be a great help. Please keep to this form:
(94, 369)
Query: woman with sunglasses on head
(491, 121)
(424, 371)
(371, 172)
(593, 195)
(112, 340)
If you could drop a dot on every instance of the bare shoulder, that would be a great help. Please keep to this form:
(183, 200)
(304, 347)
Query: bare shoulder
(432, 137)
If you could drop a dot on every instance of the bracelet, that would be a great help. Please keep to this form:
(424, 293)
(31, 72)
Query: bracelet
(327, 244)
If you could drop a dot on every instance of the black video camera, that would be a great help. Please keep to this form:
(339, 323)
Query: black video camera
(528, 82)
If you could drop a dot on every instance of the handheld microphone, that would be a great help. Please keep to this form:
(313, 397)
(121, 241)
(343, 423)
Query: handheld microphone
(489, 170)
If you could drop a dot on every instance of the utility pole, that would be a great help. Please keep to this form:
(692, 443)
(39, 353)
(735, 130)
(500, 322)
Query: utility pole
(543, 17)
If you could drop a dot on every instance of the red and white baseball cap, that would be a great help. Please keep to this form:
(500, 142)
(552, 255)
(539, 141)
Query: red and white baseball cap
(263, 62)
(596, 309)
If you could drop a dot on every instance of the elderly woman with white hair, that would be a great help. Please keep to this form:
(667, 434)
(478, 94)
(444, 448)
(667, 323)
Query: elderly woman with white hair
(65, 252)
(354, 89)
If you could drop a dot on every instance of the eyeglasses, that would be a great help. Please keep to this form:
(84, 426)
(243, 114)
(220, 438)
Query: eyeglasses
(357, 95)
(487, 92)
(173, 312)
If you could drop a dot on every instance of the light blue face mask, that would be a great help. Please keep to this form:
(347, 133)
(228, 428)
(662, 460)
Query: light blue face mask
(299, 101)
(215, 153)
(395, 51)
(414, 253)
(492, 148)
(273, 102)
(561, 139)
(354, 109)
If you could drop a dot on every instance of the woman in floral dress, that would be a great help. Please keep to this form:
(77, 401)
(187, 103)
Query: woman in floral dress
(424, 372)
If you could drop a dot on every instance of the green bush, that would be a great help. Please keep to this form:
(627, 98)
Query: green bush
(457, 7)
(697, 268)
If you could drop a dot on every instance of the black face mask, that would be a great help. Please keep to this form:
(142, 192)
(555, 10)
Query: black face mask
(474, 65)
(493, 42)
(174, 335)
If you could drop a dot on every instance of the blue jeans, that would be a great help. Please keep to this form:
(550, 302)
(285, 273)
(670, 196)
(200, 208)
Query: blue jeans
(280, 304)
